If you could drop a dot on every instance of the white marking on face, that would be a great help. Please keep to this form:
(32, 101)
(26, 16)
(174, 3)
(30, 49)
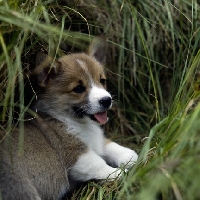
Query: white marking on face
(95, 95)
(81, 63)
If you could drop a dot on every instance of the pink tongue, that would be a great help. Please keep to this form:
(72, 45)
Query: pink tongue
(101, 117)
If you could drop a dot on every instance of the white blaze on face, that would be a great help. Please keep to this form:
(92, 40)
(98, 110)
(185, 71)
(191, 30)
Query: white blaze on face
(95, 96)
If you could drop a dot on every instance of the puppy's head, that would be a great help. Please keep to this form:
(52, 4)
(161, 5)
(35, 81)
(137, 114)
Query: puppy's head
(75, 84)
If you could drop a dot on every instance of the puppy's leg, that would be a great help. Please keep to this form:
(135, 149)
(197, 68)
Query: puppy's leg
(116, 155)
(91, 166)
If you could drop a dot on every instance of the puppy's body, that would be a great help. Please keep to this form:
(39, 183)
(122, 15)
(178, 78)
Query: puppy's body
(41, 172)
(65, 143)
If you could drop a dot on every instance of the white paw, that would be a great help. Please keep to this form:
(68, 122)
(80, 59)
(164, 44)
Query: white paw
(128, 158)
(91, 166)
(118, 155)
(117, 173)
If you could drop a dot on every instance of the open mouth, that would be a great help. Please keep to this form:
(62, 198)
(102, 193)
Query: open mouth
(100, 117)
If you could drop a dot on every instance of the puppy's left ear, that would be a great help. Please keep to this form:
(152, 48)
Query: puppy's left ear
(46, 69)
(98, 49)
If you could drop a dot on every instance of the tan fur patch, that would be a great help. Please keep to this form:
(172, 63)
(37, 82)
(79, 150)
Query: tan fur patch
(75, 69)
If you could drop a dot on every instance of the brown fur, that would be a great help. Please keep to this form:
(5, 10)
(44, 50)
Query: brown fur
(48, 154)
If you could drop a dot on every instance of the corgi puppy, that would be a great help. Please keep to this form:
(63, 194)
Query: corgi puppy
(65, 143)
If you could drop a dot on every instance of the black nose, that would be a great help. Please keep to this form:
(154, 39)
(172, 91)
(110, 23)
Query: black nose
(105, 102)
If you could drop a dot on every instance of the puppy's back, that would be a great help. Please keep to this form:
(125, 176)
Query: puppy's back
(41, 170)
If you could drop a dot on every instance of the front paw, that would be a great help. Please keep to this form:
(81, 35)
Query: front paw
(128, 158)
(117, 155)
(116, 174)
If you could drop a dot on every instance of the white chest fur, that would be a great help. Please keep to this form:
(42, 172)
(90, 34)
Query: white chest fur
(93, 163)
(88, 132)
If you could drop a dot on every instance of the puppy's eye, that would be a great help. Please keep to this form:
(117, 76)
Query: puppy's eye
(79, 89)
(103, 81)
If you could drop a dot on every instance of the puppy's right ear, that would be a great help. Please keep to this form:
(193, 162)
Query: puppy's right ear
(98, 49)
(46, 69)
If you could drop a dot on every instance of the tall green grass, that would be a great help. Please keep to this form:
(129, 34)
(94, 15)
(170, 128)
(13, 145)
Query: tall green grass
(153, 68)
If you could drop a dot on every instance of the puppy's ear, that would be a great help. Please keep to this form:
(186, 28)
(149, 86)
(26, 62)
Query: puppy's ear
(46, 69)
(98, 49)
